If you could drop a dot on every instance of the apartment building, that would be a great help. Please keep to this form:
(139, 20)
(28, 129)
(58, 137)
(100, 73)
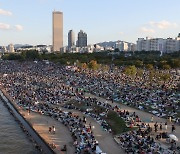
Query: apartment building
(159, 44)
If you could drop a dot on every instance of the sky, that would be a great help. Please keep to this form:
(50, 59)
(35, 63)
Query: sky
(30, 21)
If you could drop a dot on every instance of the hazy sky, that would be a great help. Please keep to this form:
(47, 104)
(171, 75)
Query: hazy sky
(30, 21)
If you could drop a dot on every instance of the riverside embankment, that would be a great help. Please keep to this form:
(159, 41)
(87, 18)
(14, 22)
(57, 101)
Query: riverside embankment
(37, 140)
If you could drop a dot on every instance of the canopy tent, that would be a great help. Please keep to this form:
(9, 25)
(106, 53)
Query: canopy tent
(173, 137)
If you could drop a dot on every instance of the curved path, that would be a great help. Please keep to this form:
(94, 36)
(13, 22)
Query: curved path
(105, 139)
(41, 124)
(144, 116)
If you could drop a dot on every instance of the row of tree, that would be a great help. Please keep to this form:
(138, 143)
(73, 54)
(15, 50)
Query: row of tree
(139, 59)
(132, 71)
(26, 55)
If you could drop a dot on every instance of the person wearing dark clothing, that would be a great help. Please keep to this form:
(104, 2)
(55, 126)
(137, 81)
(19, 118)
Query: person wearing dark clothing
(64, 148)
(173, 128)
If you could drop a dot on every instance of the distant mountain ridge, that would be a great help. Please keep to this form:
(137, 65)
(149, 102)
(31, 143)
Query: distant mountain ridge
(21, 45)
(107, 44)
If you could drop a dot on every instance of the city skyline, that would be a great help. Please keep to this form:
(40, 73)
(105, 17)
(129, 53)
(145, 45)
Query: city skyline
(31, 22)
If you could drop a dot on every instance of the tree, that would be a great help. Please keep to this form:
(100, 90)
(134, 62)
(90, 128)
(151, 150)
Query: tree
(152, 74)
(105, 67)
(149, 67)
(130, 70)
(166, 67)
(165, 77)
(93, 64)
(175, 63)
(31, 55)
(84, 66)
(77, 63)
(116, 50)
(140, 72)
(12, 56)
(162, 63)
(138, 63)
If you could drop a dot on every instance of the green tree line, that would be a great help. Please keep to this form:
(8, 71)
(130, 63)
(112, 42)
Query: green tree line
(148, 60)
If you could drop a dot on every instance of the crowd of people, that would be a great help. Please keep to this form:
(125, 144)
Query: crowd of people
(96, 117)
(157, 97)
(131, 119)
(36, 92)
(140, 142)
(39, 86)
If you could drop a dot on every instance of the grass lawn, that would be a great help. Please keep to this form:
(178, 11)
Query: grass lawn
(116, 123)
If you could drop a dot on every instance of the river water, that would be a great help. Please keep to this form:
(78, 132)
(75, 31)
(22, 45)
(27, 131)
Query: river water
(12, 139)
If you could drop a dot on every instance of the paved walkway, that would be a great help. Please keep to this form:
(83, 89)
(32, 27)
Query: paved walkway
(105, 139)
(62, 136)
(144, 116)
(41, 124)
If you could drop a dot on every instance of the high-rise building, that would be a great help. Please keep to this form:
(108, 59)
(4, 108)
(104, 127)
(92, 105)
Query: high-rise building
(82, 39)
(57, 30)
(71, 39)
(11, 48)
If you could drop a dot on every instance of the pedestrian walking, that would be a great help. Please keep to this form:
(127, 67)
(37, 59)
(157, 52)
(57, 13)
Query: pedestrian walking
(90, 125)
(165, 125)
(173, 128)
(152, 118)
(54, 129)
(50, 129)
(64, 148)
(156, 127)
(84, 119)
(170, 119)
(160, 127)
(29, 111)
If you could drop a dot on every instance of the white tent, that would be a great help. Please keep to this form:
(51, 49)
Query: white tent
(173, 137)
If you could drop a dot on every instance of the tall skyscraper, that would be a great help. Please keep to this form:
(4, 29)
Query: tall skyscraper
(82, 39)
(71, 39)
(57, 30)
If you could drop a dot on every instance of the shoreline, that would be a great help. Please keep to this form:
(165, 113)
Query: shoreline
(40, 123)
(40, 144)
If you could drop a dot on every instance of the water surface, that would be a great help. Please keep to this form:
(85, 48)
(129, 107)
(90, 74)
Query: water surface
(12, 139)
